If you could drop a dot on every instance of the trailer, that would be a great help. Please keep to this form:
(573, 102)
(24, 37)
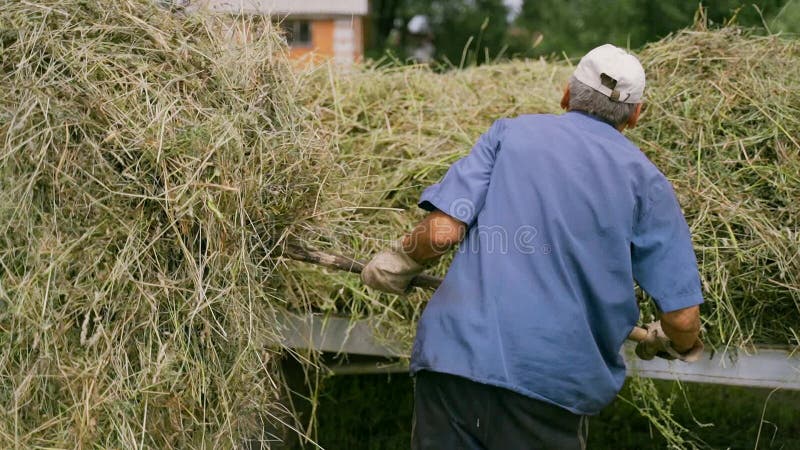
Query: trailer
(363, 351)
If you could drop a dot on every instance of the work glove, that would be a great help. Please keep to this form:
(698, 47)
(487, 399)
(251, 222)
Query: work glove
(658, 344)
(391, 270)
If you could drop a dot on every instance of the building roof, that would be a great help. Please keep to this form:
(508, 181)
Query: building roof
(283, 7)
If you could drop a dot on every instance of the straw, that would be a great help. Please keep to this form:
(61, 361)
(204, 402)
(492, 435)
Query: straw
(149, 166)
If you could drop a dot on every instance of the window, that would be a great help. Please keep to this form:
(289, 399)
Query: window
(297, 32)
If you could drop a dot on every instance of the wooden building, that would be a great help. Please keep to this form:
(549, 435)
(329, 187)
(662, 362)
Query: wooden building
(322, 28)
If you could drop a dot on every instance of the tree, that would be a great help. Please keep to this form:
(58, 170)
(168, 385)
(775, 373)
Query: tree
(576, 26)
(787, 19)
(384, 13)
(468, 31)
(474, 31)
(473, 28)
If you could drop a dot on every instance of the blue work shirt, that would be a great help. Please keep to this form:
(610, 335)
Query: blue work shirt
(564, 213)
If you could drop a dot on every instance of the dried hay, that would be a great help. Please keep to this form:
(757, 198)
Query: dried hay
(149, 167)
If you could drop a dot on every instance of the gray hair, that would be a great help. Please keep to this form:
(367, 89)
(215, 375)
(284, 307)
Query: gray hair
(583, 98)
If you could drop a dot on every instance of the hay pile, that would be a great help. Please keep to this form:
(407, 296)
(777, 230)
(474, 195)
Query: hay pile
(148, 167)
(722, 123)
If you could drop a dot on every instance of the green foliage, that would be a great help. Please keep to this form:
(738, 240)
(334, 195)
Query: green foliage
(468, 32)
(787, 20)
(575, 26)
(375, 412)
(366, 412)
(477, 31)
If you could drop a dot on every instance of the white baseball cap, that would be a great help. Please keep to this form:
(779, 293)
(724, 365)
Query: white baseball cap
(614, 72)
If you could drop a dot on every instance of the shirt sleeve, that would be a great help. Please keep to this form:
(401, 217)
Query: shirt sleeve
(664, 262)
(462, 191)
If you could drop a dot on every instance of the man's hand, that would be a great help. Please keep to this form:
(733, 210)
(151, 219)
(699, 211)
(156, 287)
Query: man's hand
(658, 344)
(391, 270)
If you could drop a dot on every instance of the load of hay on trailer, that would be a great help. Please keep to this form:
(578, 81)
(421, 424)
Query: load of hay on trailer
(153, 169)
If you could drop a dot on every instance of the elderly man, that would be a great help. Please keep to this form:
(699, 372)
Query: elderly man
(556, 217)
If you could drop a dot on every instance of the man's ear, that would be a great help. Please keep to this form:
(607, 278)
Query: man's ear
(634, 119)
(565, 98)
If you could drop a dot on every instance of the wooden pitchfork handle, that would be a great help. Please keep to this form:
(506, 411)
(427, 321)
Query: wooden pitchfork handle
(338, 262)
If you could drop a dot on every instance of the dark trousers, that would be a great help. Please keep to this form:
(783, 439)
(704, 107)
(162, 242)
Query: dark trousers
(455, 413)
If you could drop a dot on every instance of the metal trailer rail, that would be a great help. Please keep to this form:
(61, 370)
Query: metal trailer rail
(763, 367)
